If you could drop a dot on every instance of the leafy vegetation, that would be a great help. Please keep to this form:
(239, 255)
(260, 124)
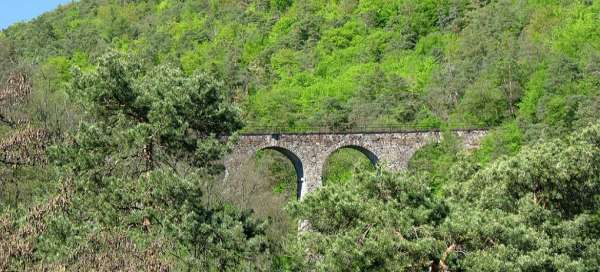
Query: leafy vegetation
(516, 214)
(112, 112)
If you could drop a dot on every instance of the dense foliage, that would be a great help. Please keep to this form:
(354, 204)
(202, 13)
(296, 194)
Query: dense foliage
(132, 175)
(112, 115)
(347, 63)
(535, 211)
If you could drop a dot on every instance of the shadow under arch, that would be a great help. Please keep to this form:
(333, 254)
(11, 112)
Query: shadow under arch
(373, 158)
(296, 161)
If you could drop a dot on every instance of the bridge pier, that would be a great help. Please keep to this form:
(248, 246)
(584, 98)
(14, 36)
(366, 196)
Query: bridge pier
(312, 179)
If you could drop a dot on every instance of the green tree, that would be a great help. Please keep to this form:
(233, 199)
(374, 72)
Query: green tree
(132, 178)
(516, 214)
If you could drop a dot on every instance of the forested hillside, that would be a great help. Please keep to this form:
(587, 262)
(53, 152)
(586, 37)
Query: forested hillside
(111, 113)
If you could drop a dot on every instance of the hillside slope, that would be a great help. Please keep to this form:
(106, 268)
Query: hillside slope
(348, 63)
(109, 111)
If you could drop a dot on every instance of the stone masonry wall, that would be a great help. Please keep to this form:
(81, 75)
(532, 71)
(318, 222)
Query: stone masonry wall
(309, 152)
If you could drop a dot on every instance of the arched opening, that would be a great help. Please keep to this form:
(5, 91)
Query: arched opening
(344, 161)
(434, 159)
(296, 162)
(265, 182)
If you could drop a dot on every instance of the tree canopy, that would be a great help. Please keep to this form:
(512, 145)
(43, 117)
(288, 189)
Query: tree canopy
(535, 211)
(113, 117)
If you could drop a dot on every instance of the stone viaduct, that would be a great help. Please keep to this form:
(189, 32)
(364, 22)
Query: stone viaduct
(309, 151)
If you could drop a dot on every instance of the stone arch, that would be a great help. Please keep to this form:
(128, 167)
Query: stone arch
(296, 161)
(372, 156)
